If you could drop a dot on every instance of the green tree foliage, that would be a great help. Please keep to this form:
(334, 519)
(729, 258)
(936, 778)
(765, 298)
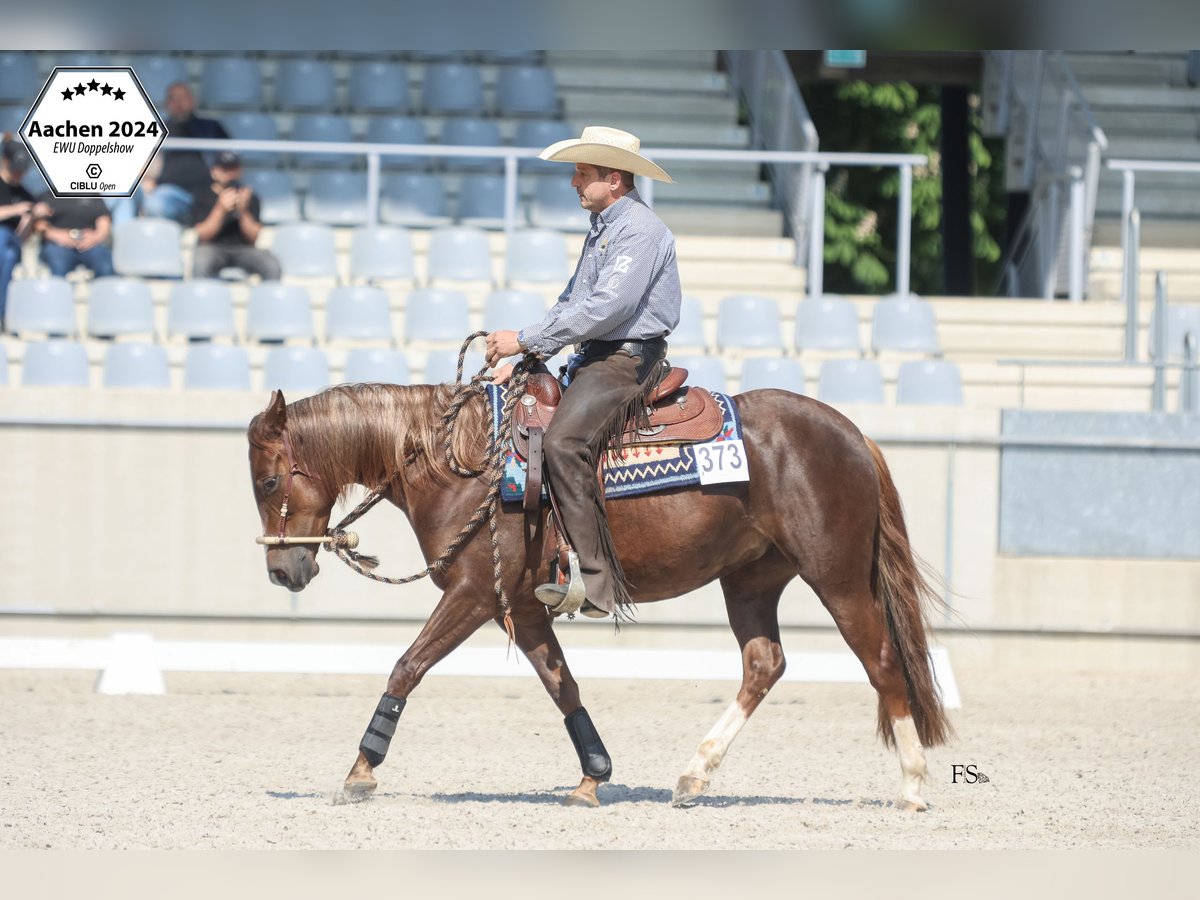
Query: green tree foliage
(860, 203)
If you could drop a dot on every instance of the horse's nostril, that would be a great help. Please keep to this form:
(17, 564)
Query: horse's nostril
(279, 577)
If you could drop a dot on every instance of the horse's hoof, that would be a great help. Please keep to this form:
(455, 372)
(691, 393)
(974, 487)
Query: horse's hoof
(907, 805)
(577, 799)
(359, 789)
(687, 790)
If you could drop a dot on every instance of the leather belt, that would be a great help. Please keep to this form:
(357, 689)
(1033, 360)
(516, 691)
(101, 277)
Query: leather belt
(649, 352)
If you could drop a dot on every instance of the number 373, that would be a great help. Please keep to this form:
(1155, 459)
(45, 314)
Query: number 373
(719, 456)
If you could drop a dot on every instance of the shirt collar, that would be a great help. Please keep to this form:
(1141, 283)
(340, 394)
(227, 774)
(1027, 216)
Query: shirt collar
(602, 219)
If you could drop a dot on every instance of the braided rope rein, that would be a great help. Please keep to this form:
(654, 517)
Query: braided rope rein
(488, 508)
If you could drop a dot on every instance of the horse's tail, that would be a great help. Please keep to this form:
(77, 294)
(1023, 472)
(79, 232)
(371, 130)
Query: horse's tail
(905, 595)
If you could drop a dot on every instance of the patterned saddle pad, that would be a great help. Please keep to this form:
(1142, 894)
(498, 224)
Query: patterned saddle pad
(644, 467)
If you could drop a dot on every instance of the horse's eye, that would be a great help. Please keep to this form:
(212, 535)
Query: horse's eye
(269, 484)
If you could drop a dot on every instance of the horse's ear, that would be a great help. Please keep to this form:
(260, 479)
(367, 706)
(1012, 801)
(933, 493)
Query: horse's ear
(269, 423)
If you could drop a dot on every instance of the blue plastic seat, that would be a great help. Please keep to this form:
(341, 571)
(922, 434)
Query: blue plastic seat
(526, 91)
(337, 198)
(413, 198)
(850, 381)
(381, 252)
(481, 200)
(82, 58)
(119, 306)
(512, 310)
(55, 363)
(19, 78)
(296, 370)
(202, 308)
(747, 322)
(399, 130)
(231, 82)
(157, 73)
(441, 366)
(773, 372)
(529, 57)
(540, 134)
(148, 247)
(41, 306)
(436, 315)
(305, 84)
(136, 366)
(377, 86)
(276, 192)
(929, 382)
(689, 333)
(305, 250)
(471, 133)
(556, 204)
(11, 118)
(358, 313)
(452, 89)
(704, 371)
(254, 126)
(216, 367)
(323, 127)
(278, 312)
(826, 323)
(459, 254)
(904, 323)
(536, 254)
(376, 365)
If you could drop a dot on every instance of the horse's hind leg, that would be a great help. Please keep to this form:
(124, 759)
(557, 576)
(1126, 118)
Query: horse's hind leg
(537, 640)
(752, 601)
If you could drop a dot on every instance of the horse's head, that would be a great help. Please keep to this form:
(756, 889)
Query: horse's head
(291, 502)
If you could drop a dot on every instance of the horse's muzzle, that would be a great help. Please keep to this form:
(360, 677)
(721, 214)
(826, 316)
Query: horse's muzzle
(293, 567)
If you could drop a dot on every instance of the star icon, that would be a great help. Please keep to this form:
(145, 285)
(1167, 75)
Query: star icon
(106, 90)
(93, 84)
(67, 95)
(119, 94)
(79, 89)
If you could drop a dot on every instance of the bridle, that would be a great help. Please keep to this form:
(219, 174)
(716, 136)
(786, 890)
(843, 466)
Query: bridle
(334, 538)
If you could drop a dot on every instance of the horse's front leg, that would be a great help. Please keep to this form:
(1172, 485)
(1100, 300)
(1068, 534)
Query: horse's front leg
(537, 640)
(458, 615)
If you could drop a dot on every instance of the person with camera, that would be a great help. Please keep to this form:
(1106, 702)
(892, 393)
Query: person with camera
(227, 225)
(75, 232)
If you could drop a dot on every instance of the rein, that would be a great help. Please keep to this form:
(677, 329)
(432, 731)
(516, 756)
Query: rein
(344, 543)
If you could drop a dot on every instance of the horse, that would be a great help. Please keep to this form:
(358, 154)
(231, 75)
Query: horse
(820, 504)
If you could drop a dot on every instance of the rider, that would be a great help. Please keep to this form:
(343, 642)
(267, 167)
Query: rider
(618, 307)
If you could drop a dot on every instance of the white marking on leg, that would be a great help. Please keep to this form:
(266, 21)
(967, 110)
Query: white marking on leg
(716, 743)
(912, 760)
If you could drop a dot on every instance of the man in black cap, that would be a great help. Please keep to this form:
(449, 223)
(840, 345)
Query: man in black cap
(227, 223)
(17, 211)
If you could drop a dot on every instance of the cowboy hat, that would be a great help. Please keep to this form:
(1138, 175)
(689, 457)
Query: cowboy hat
(607, 147)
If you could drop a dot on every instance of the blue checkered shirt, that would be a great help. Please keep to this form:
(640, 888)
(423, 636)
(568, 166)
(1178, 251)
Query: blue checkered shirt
(625, 287)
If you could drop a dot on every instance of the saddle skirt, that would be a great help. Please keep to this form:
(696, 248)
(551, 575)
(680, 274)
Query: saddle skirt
(676, 415)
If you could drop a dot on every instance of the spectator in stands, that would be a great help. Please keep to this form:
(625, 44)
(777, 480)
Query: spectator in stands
(619, 306)
(227, 222)
(75, 232)
(177, 177)
(17, 213)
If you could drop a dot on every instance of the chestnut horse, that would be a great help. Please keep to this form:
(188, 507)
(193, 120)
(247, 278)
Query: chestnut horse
(820, 504)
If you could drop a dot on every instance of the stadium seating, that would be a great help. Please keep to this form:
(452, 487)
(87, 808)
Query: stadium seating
(538, 255)
(512, 310)
(526, 91)
(11, 118)
(772, 372)
(556, 204)
(157, 73)
(336, 198)
(202, 308)
(19, 78)
(277, 200)
(231, 82)
(436, 316)
(481, 201)
(704, 371)
(278, 312)
(254, 126)
(413, 199)
(323, 127)
(377, 86)
(41, 306)
(929, 382)
(441, 366)
(3, 366)
(381, 253)
(376, 365)
(305, 84)
(747, 322)
(216, 367)
(470, 132)
(452, 88)
(826, 323)
(399, 130)
(296, 370)
(137, 365)
(305, 250)
(119, 306)
(850, 381)
(149, 248)
(689, 333)
(459, 254)
(358, 313)
(54, 363)
(541, 133)
(904, 323)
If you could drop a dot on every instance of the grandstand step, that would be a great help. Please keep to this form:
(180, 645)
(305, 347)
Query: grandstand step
(677, 134)
(1123, 147)
(692, 218)
(1102, 97)
(600, 106)
(1174, 124)
(670, 59)
(640, 77)
(1128, 68)
(1155, 232)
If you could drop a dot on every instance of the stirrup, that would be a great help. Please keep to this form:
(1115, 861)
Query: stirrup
(564, 598)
